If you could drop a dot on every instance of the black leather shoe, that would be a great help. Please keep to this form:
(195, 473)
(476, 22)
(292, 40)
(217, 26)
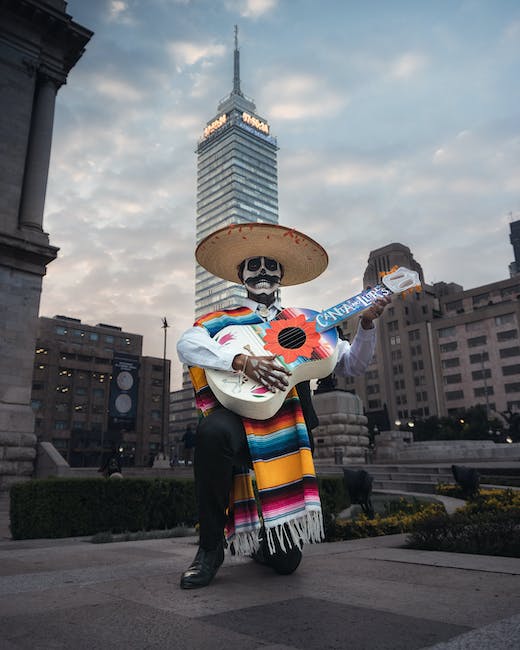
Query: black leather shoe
(286, 563)
(283, 562)
(203, 568)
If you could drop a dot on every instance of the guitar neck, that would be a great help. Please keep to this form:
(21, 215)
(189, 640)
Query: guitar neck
(333, 316)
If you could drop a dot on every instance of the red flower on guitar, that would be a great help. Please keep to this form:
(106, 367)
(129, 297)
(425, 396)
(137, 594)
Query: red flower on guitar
(291, 338)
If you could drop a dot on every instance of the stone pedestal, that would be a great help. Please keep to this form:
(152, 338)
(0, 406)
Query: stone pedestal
(20, 295)
(342, 437)
(390, 444)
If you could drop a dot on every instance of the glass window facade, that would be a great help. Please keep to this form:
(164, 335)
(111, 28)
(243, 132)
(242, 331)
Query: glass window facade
(237, 182)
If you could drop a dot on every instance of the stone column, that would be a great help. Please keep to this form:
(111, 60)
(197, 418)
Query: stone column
(38, 155)
(36, 38)
(20, 293)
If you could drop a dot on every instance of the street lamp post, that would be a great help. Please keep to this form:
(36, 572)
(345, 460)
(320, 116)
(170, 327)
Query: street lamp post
(163, 409)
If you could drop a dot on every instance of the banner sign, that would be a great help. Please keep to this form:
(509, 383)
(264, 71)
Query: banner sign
(122, 406)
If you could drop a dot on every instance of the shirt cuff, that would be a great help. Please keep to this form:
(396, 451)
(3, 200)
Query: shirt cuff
(366, 334)
(227, 355)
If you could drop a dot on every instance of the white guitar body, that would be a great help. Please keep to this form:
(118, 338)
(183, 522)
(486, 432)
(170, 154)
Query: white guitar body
(251, 399)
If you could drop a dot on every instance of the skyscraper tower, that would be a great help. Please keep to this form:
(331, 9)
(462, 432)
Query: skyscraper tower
(237, 181)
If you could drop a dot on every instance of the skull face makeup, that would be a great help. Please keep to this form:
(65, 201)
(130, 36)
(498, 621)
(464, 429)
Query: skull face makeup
(261, 277)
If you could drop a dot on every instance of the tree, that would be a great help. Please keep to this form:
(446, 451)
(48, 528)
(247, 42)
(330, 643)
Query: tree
(471, 424)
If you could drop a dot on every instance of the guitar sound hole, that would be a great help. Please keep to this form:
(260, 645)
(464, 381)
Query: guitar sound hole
(291, 338)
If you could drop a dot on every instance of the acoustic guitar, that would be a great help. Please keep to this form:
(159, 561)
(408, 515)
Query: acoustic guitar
(303, 340)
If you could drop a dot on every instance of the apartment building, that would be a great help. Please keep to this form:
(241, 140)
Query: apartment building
(93, 390)
(478, 349)
(400, 381)
(439, 351)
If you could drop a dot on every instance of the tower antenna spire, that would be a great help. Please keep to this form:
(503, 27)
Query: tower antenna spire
(236, 66)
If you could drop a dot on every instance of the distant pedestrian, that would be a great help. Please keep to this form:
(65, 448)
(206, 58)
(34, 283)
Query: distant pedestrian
(189, 444)
(111, 468)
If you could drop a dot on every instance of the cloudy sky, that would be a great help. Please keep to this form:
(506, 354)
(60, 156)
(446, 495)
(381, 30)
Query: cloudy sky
(397, 121)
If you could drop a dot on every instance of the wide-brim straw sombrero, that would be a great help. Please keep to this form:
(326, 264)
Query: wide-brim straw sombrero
(221, 253)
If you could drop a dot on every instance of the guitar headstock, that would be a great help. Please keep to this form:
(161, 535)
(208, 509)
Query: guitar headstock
(400, 280)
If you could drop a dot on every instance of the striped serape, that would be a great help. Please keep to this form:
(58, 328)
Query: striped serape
(288, 501)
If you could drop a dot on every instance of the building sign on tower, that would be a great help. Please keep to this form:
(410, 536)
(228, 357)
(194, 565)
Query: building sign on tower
(216, 124)
(255, 122)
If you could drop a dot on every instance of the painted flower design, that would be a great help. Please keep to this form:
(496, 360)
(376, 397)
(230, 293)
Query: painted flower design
(259, 391)
(291, 338)
(226, 338)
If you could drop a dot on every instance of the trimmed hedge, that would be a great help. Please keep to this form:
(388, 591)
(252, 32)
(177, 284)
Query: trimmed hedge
(488, 524)
(55, 507)
(399, 518)
(52, 508)
(485, 533)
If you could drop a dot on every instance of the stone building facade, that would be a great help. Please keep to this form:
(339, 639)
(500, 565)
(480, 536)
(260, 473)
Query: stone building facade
(401, 381)
(39, 45)
(440, 351)
(477, 348)
(93, 390)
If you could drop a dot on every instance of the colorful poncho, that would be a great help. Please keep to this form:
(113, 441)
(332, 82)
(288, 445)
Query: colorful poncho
(288, 500)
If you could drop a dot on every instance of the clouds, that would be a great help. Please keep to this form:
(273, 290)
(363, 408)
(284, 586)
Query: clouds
(251, 8)
(395, 122)
(407, 66)
(302, 97)
(185, 53)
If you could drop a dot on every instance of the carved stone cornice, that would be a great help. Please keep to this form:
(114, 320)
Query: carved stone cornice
(30, 253)
(63, 41)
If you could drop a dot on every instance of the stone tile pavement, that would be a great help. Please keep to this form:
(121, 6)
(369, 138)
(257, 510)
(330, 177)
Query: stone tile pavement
(365, 594)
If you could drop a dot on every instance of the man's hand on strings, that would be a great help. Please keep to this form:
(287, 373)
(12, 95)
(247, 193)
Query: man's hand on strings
(267, 371)
(374, 311)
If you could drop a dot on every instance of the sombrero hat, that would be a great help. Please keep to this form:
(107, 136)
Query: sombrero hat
(221, 253)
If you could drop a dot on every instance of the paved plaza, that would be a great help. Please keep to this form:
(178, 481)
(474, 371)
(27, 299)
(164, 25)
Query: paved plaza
(364, 594)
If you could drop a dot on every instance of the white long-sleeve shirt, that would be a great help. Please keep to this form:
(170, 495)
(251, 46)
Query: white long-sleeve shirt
(197, 348)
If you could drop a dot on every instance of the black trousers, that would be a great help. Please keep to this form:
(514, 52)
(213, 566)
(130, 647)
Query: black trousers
(221, 444)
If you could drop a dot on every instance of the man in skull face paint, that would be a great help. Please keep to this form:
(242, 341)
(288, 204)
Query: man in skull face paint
(261, 277)
(262, 259)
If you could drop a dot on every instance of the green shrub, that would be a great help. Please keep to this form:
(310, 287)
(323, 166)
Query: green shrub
(52, 508)
(488, 524)
(496, 500)
(334, 498)
(450, 490)
(488, 532)
(402, 506)
(398, 522)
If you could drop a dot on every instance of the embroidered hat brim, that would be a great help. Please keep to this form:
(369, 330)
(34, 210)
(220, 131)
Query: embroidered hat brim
(302, 258)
